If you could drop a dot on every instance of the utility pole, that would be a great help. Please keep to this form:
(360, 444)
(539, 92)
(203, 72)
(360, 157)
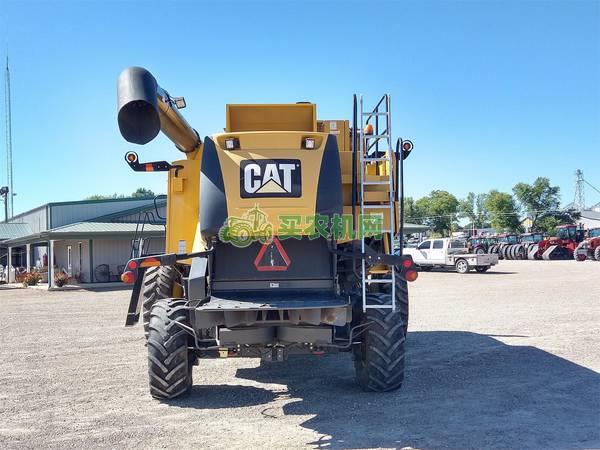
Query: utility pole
(579, 201)
(9, 162)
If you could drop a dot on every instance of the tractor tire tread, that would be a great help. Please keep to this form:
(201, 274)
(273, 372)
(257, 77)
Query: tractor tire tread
(158, 284)
(169, 368)
(379, 359)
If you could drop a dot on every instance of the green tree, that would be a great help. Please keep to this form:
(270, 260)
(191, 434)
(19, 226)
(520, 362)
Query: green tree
(473, 208)
(502, 210)
(537, 199)
(411, 213)
(549, 221)
(104, 197)
(438, 210)
(138, 193)
(143, 193)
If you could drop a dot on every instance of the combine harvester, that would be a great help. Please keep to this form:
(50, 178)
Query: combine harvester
(279, 238)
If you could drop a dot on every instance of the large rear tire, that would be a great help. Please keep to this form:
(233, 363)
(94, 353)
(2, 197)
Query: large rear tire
(597, 254)
(158, 284)
(379, 358)
(169, 362)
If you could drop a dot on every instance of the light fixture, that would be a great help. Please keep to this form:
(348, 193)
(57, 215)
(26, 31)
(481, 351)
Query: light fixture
(232, 143)
(308, 143)
(179, 102)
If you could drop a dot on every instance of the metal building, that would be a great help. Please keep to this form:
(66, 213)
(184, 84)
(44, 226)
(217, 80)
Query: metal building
(89, 240)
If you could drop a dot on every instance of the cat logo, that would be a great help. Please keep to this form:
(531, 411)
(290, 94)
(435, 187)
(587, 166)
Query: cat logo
(270, 178)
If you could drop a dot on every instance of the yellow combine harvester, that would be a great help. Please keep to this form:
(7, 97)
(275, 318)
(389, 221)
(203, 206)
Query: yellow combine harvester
(280, 238)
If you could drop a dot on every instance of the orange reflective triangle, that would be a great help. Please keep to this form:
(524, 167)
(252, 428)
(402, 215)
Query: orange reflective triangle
(272, 257)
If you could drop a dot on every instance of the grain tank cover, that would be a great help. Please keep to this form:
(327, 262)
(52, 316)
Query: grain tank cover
(284, 117)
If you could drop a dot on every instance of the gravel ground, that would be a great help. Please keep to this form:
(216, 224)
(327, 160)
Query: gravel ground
(507, 359)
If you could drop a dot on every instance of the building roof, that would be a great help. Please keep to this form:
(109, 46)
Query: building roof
(589, 214)
(80, 202)
(13, 230)
(87, 230)
(114, 217)
(104, 227)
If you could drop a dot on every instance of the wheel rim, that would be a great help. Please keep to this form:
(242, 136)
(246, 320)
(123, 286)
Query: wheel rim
(461, 266)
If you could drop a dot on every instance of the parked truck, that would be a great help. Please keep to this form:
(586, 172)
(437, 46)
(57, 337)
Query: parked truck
(450, 254)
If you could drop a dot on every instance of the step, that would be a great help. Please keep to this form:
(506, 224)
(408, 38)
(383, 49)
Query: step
(380, 281)
(378, 307)
(370, 183)
(376, 136)
(375, 114)
(388, 206)
(375, 159)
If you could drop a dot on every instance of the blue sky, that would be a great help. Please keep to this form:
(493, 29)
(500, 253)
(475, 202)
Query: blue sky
(491, 92)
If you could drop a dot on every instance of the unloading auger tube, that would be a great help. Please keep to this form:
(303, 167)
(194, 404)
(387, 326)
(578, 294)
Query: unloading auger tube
(144, 109)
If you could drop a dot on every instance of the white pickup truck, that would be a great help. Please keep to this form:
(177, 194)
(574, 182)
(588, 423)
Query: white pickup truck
(448, 253)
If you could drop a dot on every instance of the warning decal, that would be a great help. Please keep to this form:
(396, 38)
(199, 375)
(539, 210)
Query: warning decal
(272, 257)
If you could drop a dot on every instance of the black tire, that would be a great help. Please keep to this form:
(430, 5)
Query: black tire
(521, 252)
(461, 266)
(158, 284)
(379, 358)
(401, 292)
(597, 254)
(579, 254)
(501, 252)
(482, 269)
(480, 251)
(169, 361)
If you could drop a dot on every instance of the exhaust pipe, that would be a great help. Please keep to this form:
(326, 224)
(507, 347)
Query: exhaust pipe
(144, 109)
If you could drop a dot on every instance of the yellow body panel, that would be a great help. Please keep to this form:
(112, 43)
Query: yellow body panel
(183, 231)
(284, 117)
(338, 128)
(183, 201)
(271, 145)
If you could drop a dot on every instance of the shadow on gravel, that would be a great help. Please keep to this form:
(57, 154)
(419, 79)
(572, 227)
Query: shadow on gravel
(223, 396)
(462, 390)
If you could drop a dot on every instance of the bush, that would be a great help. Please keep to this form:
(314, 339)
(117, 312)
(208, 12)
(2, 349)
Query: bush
(60, 279)
(31, 278)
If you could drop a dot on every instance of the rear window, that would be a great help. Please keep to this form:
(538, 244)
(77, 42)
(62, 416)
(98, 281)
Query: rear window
(438, 244)
(424, 245)
(455, 243)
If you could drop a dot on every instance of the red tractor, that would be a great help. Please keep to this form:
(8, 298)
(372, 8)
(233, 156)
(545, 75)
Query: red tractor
(529, 244)
(480, 245)
(562, 245)
(589, 247)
